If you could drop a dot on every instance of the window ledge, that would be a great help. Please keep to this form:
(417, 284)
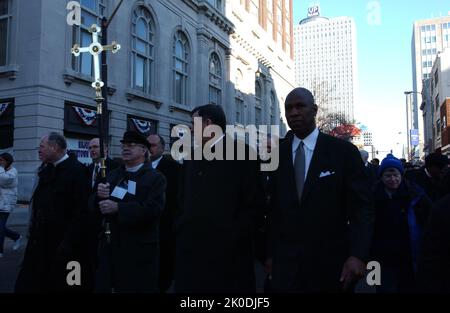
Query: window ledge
(180, 108)
(9, 71)
(133, 94)
(70, 76)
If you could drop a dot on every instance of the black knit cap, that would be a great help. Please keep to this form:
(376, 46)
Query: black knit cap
(8, 158)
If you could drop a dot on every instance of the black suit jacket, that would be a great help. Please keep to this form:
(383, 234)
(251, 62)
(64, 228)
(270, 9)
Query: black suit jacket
(110, 165)
(215, 227)
(434, 262)
(311, 240)
(171, 170)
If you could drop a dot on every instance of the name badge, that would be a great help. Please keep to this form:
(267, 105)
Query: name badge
(119, 193)
(132, 187)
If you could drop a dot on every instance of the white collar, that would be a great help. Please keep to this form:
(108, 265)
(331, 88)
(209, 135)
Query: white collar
(134, 169)
(156, 162)
(310, 141)
(65, 157)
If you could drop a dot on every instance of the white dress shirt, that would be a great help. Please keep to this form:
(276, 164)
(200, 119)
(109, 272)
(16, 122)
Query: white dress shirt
(309, 146)
(156, 162)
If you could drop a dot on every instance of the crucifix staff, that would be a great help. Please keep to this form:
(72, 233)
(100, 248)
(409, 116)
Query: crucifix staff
(95, 49)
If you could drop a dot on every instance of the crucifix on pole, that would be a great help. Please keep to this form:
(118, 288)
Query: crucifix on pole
(101, 95)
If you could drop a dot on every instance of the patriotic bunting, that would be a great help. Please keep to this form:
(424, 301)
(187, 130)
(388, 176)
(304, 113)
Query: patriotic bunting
(143, 127)
(3, 107)
(87, 116)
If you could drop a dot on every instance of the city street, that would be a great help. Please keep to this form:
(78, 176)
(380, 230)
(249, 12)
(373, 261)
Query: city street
(17, 221)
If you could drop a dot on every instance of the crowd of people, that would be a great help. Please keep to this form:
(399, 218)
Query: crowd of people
(149, 224)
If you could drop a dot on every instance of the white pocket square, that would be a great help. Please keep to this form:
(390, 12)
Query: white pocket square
(325, 174)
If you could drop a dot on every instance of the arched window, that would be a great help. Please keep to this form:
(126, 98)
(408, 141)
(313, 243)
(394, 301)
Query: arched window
(215, 79)
(239, 100)
(273, 106)
(91, 13)
(180, 67)
(142, 49)
(258, 103)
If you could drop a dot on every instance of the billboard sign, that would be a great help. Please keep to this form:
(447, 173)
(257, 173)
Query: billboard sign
(414, 137)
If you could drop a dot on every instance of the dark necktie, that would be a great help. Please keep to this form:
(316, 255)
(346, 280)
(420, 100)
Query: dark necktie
(299, 166)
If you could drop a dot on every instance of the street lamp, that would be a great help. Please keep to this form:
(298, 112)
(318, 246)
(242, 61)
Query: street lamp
(409, 120)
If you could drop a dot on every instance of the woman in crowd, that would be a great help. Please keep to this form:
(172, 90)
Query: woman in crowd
(8, 199)
(401, 212)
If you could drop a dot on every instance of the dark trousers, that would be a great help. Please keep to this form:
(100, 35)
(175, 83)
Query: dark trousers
(4, 231)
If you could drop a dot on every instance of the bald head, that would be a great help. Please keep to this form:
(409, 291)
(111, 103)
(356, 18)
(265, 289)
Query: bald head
(94, 149)
(364, 155)
(301, 112)
(303, 93)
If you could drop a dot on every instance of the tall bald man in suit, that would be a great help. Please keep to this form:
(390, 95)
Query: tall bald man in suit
(321, 221)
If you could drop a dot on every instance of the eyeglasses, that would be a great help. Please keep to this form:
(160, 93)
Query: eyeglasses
(131, 145)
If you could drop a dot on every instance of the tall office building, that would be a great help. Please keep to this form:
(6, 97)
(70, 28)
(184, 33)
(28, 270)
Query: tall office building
(430, 37)
(326, 60)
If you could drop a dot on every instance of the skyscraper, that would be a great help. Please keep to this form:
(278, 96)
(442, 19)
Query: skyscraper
(326, 61)
(430, 37)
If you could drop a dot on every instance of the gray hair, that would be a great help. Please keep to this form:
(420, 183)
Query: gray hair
(57, 139)
(364, 155)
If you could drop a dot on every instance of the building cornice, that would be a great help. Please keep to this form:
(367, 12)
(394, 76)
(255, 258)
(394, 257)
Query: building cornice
(251, 49)
(205, 8)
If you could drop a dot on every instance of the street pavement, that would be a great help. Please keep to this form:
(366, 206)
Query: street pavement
(9, 264)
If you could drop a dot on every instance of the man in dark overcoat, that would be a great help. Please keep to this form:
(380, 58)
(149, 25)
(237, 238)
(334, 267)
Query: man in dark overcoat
(131, 201)
(58, 219)
(219, 204)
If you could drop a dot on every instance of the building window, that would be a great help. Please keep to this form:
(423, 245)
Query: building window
(436, 78)
(239, 111)
(422, 28)
(433, 27)
(91, 13)
(180, 63)
(216, 3)
(270, 17)
(273, 107)
(5, 21)
(444, 26)
(215, 79)
(142, 49)
(239, 100)
(258, 116)
(258, 103)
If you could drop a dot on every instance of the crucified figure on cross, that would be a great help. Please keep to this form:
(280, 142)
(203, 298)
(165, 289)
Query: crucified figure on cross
(95, 49)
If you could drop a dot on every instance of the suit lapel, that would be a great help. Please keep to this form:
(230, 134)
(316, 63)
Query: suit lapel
(316, 165)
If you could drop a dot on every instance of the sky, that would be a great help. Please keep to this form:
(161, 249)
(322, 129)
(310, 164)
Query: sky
(384, 60)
